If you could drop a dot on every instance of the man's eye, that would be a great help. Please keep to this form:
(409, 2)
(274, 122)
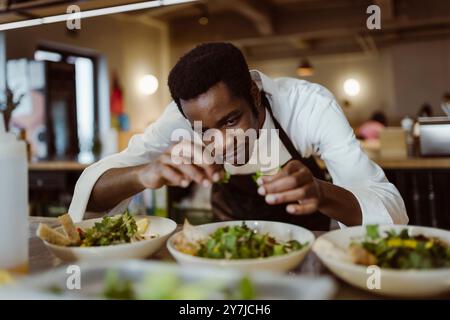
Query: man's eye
(231, 122)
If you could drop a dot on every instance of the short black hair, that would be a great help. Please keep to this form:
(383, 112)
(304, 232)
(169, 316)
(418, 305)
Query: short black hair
(380, 117)
(206, 65)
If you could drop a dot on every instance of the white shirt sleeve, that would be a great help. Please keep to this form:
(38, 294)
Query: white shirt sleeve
(142, 148)
(332, 138)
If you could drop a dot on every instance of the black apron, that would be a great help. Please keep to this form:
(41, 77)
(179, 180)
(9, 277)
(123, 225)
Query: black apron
(239, 199)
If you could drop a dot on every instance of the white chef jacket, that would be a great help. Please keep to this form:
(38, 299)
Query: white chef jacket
(314, 122)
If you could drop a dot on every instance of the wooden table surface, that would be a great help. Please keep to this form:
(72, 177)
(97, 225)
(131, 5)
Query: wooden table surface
(405, 163)
(41, 259)
(57, 166)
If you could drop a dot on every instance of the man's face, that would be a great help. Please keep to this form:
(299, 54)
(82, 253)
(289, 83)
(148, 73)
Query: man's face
(219, 109)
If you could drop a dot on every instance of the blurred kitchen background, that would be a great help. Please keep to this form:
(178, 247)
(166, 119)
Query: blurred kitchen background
(76, 95)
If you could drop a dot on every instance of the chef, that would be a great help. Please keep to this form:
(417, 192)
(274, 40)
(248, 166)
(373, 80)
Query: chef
(212, 85)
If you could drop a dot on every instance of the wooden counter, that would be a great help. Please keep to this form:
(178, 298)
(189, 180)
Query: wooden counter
(57, 166)
(51, 185)
(406, 163)
(384, 162)
(412, 163)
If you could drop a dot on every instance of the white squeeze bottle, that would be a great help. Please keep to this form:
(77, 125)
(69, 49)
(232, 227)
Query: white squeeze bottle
(13, 202)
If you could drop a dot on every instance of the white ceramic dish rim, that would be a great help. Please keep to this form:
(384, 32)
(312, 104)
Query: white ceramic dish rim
(171, 247)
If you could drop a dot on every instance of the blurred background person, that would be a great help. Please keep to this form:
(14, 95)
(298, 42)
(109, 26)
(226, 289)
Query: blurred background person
(445, 105)
(426, 110)
(371, 129)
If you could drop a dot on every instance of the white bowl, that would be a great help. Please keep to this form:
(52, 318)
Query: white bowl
(280, 231)
(400, 283)
(163, 227)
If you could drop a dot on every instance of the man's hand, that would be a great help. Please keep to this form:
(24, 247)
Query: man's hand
(294, 184)
(174, 170)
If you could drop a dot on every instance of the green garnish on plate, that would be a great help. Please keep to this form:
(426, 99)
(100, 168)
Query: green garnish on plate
(241, 242)
(399, 250)
(111, 230)
(166, 285)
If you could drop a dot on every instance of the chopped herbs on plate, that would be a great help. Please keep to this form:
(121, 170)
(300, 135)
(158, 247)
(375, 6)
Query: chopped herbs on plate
(168, 286)
(109, 231)
(399, 250)
(237, 242)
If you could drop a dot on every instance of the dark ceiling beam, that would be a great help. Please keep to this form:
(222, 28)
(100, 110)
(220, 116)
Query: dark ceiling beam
(4, 4)
(165, 10)
(387, 9)
(343, 29)
(292, 53)
(367, 43)
(256, 11)
(27, 14)
(258, 53)
(26, 6)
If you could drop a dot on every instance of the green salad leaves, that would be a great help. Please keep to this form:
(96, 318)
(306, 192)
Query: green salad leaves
(241, 242)
(399, 250)
(165, 285)
(111, 230)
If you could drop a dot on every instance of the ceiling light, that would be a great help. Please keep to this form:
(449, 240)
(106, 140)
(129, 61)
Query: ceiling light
(305, 69)
(351, 87)
(204, 14)
(148, 84)
(203, 20)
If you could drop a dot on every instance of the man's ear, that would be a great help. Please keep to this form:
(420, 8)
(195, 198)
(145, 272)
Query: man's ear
(256, 95)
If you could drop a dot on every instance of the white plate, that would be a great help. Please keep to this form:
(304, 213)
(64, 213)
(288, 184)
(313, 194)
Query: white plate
(280, 231)
(92, 280)
(162, 227)
(400, 283)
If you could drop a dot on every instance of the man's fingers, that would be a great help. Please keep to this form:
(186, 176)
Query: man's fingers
(290, 168)
(286, 183)
(173, 177)
(214, 171)
(271, 178)
(306, 207)
(188, 152)
(202, 173)
(287, 196)
(194, 173)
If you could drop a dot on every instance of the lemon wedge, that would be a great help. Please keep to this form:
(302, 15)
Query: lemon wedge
(142, 225)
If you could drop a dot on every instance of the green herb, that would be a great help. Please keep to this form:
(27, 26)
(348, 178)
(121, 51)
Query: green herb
(246, 289)
(115, 288)
(372, 232)
(399, 250)
(226, 178)
(54, 289)
(258, 174)
(166, 285)
(241, 242)
(111, 230)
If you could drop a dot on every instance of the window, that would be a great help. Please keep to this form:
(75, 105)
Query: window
(86, 93)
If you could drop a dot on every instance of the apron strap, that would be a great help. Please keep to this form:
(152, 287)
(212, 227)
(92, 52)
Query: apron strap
(310, 163)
